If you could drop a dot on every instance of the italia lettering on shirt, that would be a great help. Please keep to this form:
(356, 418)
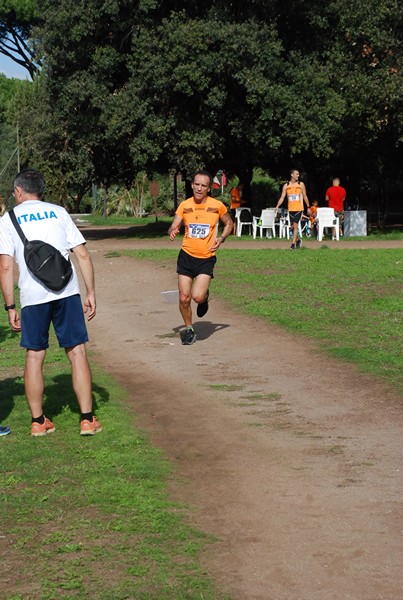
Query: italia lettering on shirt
(38, 217)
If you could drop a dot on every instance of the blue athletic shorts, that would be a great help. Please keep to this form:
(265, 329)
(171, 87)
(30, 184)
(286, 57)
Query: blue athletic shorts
(68, 321)
(192, 267)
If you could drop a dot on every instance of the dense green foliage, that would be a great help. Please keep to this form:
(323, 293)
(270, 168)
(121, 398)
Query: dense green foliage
(9, 91)
(171, 86)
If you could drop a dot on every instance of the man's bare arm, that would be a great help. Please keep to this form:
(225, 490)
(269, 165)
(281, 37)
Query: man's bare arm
(175, 227)
(7, 287)
(87, 271)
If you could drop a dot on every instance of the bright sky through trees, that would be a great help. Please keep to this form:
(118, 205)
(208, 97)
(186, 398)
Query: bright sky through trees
(12, 69)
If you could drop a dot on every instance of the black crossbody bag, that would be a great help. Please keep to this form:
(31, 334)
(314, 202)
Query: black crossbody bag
(44, 261)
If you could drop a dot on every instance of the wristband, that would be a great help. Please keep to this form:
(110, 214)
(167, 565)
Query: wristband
(9, 307)
(222, 238)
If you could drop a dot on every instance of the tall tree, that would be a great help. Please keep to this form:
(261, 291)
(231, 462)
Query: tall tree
(17, 18)
(9, 152)
(365, 59)
(175, 85)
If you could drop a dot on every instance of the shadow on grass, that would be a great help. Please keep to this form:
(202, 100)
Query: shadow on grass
(10, 388)
(60, 394)
(3, 333)
(6, 333)
(149, 231)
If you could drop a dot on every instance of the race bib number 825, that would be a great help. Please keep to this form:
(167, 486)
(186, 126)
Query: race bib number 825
(198, 230)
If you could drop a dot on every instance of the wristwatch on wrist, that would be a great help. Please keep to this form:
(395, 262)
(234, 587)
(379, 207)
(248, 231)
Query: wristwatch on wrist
(9, 307)
(222, 239)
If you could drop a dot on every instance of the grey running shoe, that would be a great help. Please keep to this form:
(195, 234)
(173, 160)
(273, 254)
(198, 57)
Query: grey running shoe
(202, 308)
(299, 243)
(188, 336)
(292, 247)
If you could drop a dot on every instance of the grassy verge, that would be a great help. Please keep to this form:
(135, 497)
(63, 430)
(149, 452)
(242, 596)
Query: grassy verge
(150, 226)
(87, 518)
(118, 220)
(158, 228)
(349, 300)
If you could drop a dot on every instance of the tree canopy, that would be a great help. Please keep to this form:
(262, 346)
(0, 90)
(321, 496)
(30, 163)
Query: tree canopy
(161, 86)
(17, 19)
(9, 89)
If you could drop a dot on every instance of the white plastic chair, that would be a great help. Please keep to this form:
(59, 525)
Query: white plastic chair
(283, 224)
(265, 221)
(239, 223)
(285, 227)
(326, 218)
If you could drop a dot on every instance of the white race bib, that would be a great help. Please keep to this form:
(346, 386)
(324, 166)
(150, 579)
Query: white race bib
(198, 230)
(293, 197)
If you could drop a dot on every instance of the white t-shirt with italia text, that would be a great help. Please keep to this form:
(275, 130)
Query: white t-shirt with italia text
(49, 223)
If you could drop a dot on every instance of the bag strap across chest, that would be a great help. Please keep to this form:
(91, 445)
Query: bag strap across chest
(17, 226)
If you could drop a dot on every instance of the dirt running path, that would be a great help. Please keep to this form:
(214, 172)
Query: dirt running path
(299, 479)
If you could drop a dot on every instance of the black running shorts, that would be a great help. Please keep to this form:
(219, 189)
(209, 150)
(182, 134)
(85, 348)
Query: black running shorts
(192, 267)
(295, 217)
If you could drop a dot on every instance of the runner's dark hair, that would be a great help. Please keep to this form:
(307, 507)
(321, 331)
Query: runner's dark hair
(205, 174)
(294, 169)
(31, 182)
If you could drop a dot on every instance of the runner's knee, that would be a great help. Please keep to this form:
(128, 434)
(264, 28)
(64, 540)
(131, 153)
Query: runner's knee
(199, 297)
(76, 352)
(184, 299)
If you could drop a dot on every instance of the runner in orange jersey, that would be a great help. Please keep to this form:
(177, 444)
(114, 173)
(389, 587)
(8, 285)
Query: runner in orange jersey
(201, 215)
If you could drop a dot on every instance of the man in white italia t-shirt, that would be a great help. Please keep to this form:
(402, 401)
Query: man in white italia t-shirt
(41, 306)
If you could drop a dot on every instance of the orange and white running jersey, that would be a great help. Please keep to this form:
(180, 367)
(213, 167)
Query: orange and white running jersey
(294, 196)
(201, 222)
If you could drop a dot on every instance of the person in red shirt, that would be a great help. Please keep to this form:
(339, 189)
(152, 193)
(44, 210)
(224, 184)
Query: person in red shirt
(335, 196)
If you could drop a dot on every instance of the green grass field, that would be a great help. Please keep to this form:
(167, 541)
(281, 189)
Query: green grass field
(148, 227)
(348, 300)
(75, 511)
(87, 518)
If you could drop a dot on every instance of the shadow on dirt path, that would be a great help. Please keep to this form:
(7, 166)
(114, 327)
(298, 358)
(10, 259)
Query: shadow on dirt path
(298, 478)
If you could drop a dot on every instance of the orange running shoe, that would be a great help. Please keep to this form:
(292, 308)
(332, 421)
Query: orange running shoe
(38, 429)
(90, 427)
